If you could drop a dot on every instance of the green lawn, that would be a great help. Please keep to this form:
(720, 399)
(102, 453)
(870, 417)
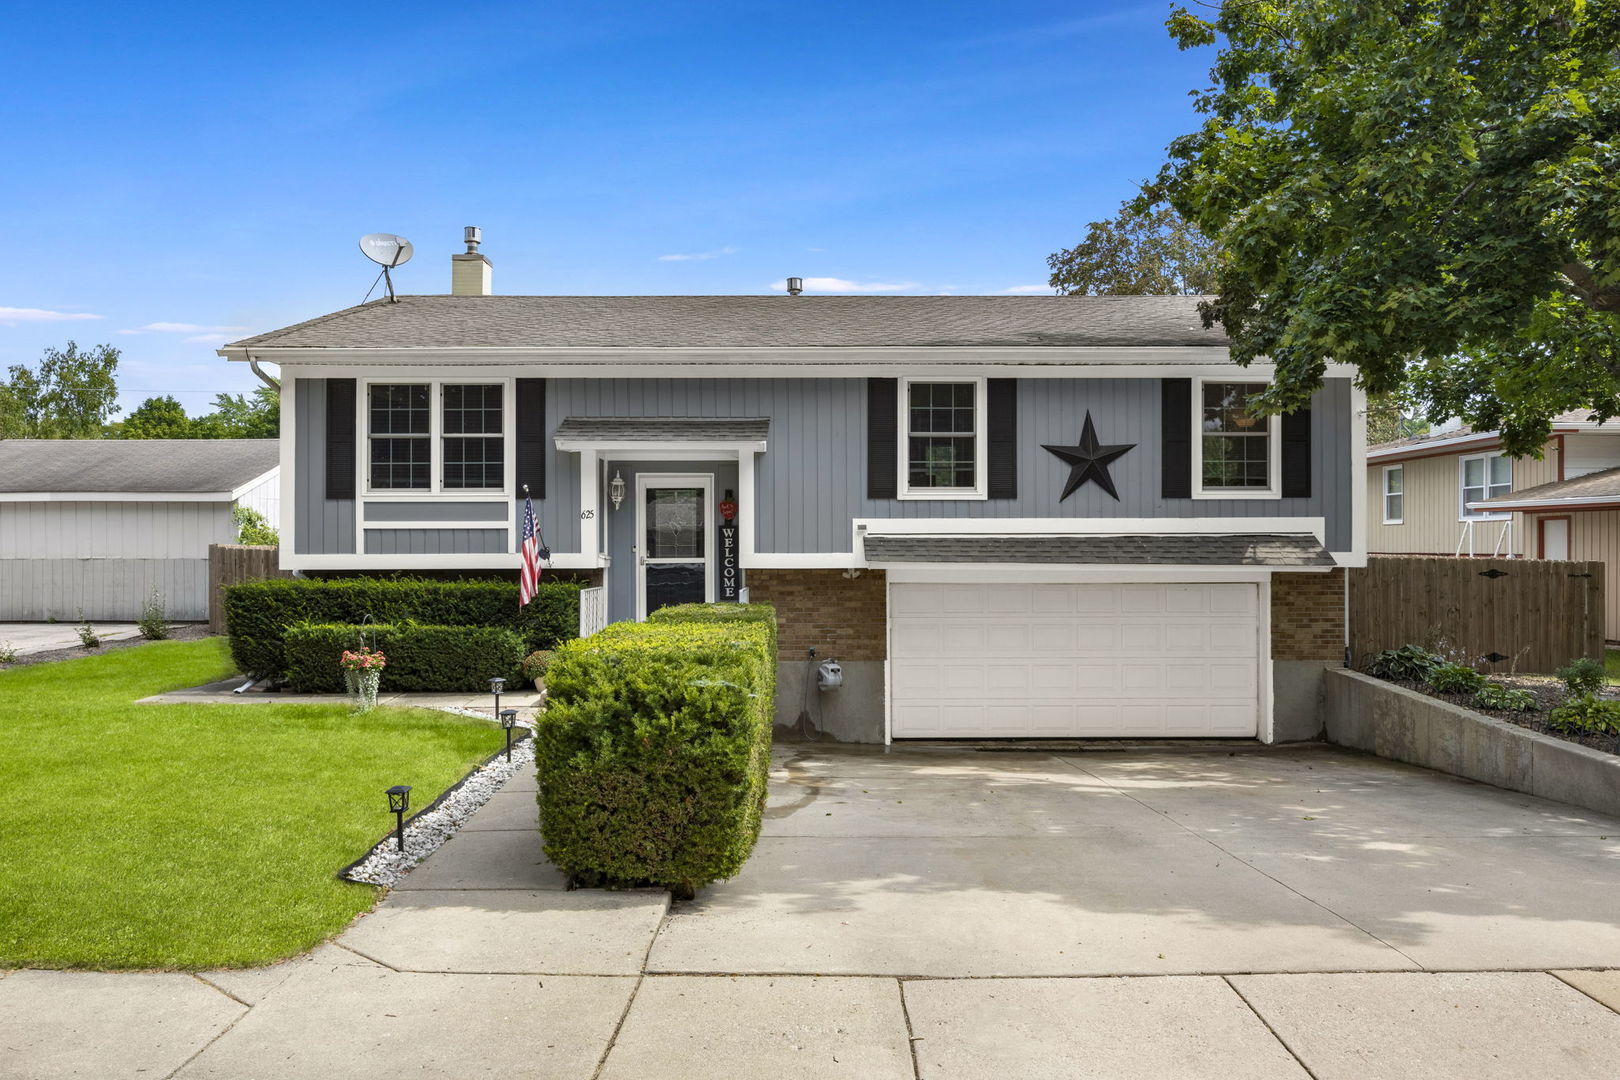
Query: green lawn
(193, 836)
(1611, 664)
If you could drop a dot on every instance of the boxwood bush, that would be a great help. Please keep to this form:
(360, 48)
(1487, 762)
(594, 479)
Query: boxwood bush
(420, 658)
(258, 613)
(654, 749)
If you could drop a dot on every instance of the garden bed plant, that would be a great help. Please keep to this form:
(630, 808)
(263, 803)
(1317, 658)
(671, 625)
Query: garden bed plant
(1576, 704)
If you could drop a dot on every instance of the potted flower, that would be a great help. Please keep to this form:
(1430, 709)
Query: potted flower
(362, 671)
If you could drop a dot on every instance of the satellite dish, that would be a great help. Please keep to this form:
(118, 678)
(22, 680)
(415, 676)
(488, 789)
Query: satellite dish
(387, 251)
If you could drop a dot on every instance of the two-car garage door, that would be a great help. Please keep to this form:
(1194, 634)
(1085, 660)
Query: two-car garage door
(1066, 660)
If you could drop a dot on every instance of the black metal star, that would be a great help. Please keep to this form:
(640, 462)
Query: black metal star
(1090, 461)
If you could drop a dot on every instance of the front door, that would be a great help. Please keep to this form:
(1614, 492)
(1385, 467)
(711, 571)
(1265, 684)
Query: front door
(674, 541)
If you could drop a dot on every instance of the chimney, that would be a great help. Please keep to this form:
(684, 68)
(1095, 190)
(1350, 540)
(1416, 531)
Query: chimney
(470, 271)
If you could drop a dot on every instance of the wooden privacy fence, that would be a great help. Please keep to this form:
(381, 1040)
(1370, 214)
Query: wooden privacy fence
(1525, 615)
(230, 564)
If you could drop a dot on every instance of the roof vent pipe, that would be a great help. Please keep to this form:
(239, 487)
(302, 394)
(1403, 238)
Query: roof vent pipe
(795, 286)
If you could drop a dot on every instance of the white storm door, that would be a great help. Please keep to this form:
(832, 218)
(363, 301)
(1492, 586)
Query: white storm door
(674, 540)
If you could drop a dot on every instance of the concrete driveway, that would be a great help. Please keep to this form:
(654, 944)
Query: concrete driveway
(945, 913)
(27, 638)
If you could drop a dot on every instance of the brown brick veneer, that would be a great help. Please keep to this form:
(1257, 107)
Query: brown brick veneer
(841, 618)
(1307, 616)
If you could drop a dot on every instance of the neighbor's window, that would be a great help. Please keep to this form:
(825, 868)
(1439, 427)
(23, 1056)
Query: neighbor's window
(1236, 443)
(400, 433)
(1394, 494)
(1485, 476)
(941, 436)
(473, 453)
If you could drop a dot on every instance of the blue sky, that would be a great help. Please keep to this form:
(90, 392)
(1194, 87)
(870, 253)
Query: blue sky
(195, 172)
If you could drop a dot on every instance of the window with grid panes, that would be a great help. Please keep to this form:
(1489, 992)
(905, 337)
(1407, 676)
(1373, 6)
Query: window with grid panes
(1485, 476)
(941, 435)
(1236, 443)
(400, 430)
(474, 455)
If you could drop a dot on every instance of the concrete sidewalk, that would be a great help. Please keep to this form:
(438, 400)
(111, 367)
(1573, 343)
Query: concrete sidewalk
(28, 638)
(945, 914)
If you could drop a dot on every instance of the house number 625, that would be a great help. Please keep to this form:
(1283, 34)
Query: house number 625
(586, 515)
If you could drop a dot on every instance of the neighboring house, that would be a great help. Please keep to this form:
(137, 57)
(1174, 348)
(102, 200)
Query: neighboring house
(997, 513)
(90, 527)
(1456, 493)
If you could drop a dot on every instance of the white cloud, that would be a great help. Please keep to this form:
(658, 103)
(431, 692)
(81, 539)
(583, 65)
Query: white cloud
(843, 285)
(1026, 290)
(11, 316)
(208, 339)
(185, 328)
(698, 256)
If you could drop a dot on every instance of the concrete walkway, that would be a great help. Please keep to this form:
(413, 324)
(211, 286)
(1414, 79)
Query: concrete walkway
(37, 637)
(946, 914)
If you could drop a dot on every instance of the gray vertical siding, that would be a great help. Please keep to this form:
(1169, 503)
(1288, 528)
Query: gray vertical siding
(320, 526)
(812, 482)
(435, 541)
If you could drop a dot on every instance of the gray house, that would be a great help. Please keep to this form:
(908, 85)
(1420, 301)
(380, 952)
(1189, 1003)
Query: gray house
(1004, 516)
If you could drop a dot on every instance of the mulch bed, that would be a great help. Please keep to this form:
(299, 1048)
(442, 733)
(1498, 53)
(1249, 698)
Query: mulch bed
(1549, 693)
(177, 632)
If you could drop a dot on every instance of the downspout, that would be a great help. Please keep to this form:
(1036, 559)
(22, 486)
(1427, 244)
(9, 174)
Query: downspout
(274, 384)
(1346, 616)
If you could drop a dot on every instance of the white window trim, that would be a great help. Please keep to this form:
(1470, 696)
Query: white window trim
(1273, 490)
(436, 488)
(903, 488)
(1462, 484)
(1385, 493)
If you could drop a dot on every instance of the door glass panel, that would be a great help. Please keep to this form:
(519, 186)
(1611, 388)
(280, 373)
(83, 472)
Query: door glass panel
(674, 583)
(674, 525)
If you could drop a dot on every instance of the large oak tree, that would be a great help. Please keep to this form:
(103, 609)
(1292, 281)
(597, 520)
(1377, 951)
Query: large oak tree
(1428, 189)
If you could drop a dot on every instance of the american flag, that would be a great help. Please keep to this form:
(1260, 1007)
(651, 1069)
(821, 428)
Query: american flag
(531, 552)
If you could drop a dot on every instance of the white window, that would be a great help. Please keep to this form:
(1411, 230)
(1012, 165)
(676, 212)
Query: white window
(432, 436)
(1394, 494)
(942, 439)
(1237, 450)
(1484, 476)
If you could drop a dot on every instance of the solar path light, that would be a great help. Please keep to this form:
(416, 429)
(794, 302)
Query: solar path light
(399, 801)
(496, 685)
(508, 720)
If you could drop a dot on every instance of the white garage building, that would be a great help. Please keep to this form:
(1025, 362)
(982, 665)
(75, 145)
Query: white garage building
(90, 527)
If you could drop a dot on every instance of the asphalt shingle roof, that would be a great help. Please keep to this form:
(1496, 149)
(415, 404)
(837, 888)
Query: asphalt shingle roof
(1178, 549)
(1598, 485)
(133, 465)
(746, 322)
(662, 429)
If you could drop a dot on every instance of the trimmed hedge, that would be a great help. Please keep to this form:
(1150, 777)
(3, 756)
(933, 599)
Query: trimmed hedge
(757, 614)
(654, 749)
(258, 613)
(419, 657)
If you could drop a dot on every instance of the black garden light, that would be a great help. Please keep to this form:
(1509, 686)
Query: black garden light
(399, 802)
(496, 685)
(508, 721)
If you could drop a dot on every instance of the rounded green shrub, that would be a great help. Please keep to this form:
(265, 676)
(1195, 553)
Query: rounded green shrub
(654, 749)
(1587, 715)
(535, 665)
(1409, 663)
(1583, 676)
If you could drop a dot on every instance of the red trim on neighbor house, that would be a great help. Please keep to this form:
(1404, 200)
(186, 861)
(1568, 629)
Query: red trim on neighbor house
(1483, 444)
(1559, 439)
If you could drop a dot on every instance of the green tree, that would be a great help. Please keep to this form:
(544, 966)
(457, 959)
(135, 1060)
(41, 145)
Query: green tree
(1428, 189)
(255, 416)
(1140, 251)
(158, 418)
(70, 395)
(1391, 417)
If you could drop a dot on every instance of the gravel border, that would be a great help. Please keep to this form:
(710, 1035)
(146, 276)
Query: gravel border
(431, 826)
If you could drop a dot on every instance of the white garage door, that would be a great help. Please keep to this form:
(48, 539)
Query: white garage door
(1005, 660)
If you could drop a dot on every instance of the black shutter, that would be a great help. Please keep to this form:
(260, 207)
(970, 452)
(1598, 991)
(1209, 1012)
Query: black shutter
(1175, 438)
(531, 437)
(340, 438)
(1296, 454)
(882, 438)
(1001, 442)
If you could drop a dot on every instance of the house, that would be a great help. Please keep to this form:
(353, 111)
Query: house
(1457, 493)
(1004, 516)
(91, 527)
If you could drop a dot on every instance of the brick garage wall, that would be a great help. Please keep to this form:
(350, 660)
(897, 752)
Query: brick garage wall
(1307, 616)
(841, 618)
